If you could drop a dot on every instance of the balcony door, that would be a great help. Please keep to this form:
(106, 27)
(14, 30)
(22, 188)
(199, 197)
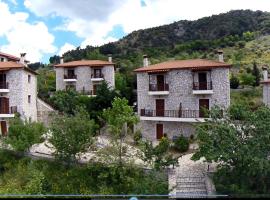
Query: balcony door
(204, 107)
(159, 131)
(4, 105)
(71, 73)
(2, 80)
(3, 128)
(202, 77)
(160, 82)
(160, 107)
(97, 73)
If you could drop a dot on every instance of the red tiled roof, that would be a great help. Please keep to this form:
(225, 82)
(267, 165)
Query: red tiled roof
(183, 64)
(85, 63)
(9, 56)
(14, 65)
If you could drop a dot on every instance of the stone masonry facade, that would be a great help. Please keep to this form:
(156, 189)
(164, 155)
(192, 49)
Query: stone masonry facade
(84, 82)
(180, 83)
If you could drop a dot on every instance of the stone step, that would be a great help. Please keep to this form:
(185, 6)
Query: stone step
(190, 187)
(191, 194)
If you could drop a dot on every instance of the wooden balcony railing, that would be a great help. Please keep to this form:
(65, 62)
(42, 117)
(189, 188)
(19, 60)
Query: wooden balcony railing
(174, 113)
(97, 75)
(3, 85)
(70, 76)
(159, 87)
(202, 85)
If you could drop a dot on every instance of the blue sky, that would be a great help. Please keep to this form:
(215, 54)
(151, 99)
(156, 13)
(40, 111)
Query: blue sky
(43, 28)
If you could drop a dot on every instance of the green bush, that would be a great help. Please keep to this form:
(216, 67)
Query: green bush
(181, 144)
(137, 136)
(234, 82)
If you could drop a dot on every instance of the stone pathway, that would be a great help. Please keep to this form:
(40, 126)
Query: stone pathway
(188, 180)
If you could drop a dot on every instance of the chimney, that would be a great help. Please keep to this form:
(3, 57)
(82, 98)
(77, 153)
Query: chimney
(22, 58)
(145, 61)
(220, 56)
(265, 73)
(61, 60)
(110, 57)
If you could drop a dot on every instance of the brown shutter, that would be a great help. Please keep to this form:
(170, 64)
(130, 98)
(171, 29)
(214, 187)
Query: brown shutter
(4, 128)
(159, 131)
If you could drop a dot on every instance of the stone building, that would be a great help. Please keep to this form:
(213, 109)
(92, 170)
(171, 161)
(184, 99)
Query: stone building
(84, 75)
(18, 90)
(266, 87)
(173, 95)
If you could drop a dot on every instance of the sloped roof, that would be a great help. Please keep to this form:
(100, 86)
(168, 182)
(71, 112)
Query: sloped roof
(85, 63)
(183, 64)
(14, 65)
(11, 57)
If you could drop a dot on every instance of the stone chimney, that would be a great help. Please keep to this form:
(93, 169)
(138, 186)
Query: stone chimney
(265, 73)
(220, 56)
(110, 57)
(145, 61)
(61, 60)
(22, 58)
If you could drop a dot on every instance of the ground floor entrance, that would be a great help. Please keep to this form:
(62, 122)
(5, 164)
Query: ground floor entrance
(3, 128)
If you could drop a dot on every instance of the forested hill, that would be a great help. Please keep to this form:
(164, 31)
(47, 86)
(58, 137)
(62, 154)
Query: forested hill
(181, 40)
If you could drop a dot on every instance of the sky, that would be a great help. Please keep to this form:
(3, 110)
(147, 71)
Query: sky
(43, 28)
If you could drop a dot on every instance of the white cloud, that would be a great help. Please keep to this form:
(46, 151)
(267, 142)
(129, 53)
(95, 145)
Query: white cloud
(94, 19)
(33, 39)
(66, 47)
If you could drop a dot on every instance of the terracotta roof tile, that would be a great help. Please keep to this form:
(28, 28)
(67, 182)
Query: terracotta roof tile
(9, 56)
(183, 64)
(85, 63)
(14, 65)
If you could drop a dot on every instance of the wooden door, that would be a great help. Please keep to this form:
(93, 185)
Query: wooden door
(159, 131)
(160, 82)
(202, 77)
(160, 107)
(4, 128)
(204, 107)
(71, 73)
(4, 105)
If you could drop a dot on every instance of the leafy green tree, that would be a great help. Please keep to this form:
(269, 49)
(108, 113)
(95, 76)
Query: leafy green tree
(256, 74)
(234, 82)
(65, 101)
(158, 156)
(45, 83)
(181, 144)
(117, 119)
(241, 150)
(247, 79)
(72, 135)
(23, 134)
(121, 86)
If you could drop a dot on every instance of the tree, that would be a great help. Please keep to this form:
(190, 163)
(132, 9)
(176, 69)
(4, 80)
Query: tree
(72, 135)
(45, 83)
(247, 79)
(158, 156)
(23, 134)
(241, 150)
(117, 119)
(256, 74)
(234, 82)
(65, 101)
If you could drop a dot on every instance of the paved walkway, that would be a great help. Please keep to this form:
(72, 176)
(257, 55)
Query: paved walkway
(189, 178)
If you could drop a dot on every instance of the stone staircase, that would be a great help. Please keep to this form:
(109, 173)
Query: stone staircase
(191, 186)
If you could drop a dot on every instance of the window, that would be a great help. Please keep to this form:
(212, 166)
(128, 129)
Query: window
(2, 59)
(29, 98)
(29, 78)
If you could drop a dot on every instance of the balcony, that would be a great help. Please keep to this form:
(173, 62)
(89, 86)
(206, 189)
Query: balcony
(158, 89)
(4, 87)
(202, 88)
(97, 77)
(174, 115)
(70, 77)
(90, 93)
(6, 112)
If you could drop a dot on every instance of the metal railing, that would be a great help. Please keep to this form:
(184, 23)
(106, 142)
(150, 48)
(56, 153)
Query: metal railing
(202, 85)
(8, 110)
(3, 85)
(13, 109)
(70, 76)
(97, 75)
(159, 87)
(171, 113)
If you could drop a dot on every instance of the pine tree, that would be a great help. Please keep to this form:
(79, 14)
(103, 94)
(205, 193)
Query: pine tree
(256, 74)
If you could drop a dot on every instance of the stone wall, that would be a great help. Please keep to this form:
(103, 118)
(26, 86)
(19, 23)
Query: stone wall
(44, 112)
(181, 92)
(84, 77)
(266, 94)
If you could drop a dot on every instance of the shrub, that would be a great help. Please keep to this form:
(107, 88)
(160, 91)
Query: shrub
(234, 82)
(181, 144)
(137, 136)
